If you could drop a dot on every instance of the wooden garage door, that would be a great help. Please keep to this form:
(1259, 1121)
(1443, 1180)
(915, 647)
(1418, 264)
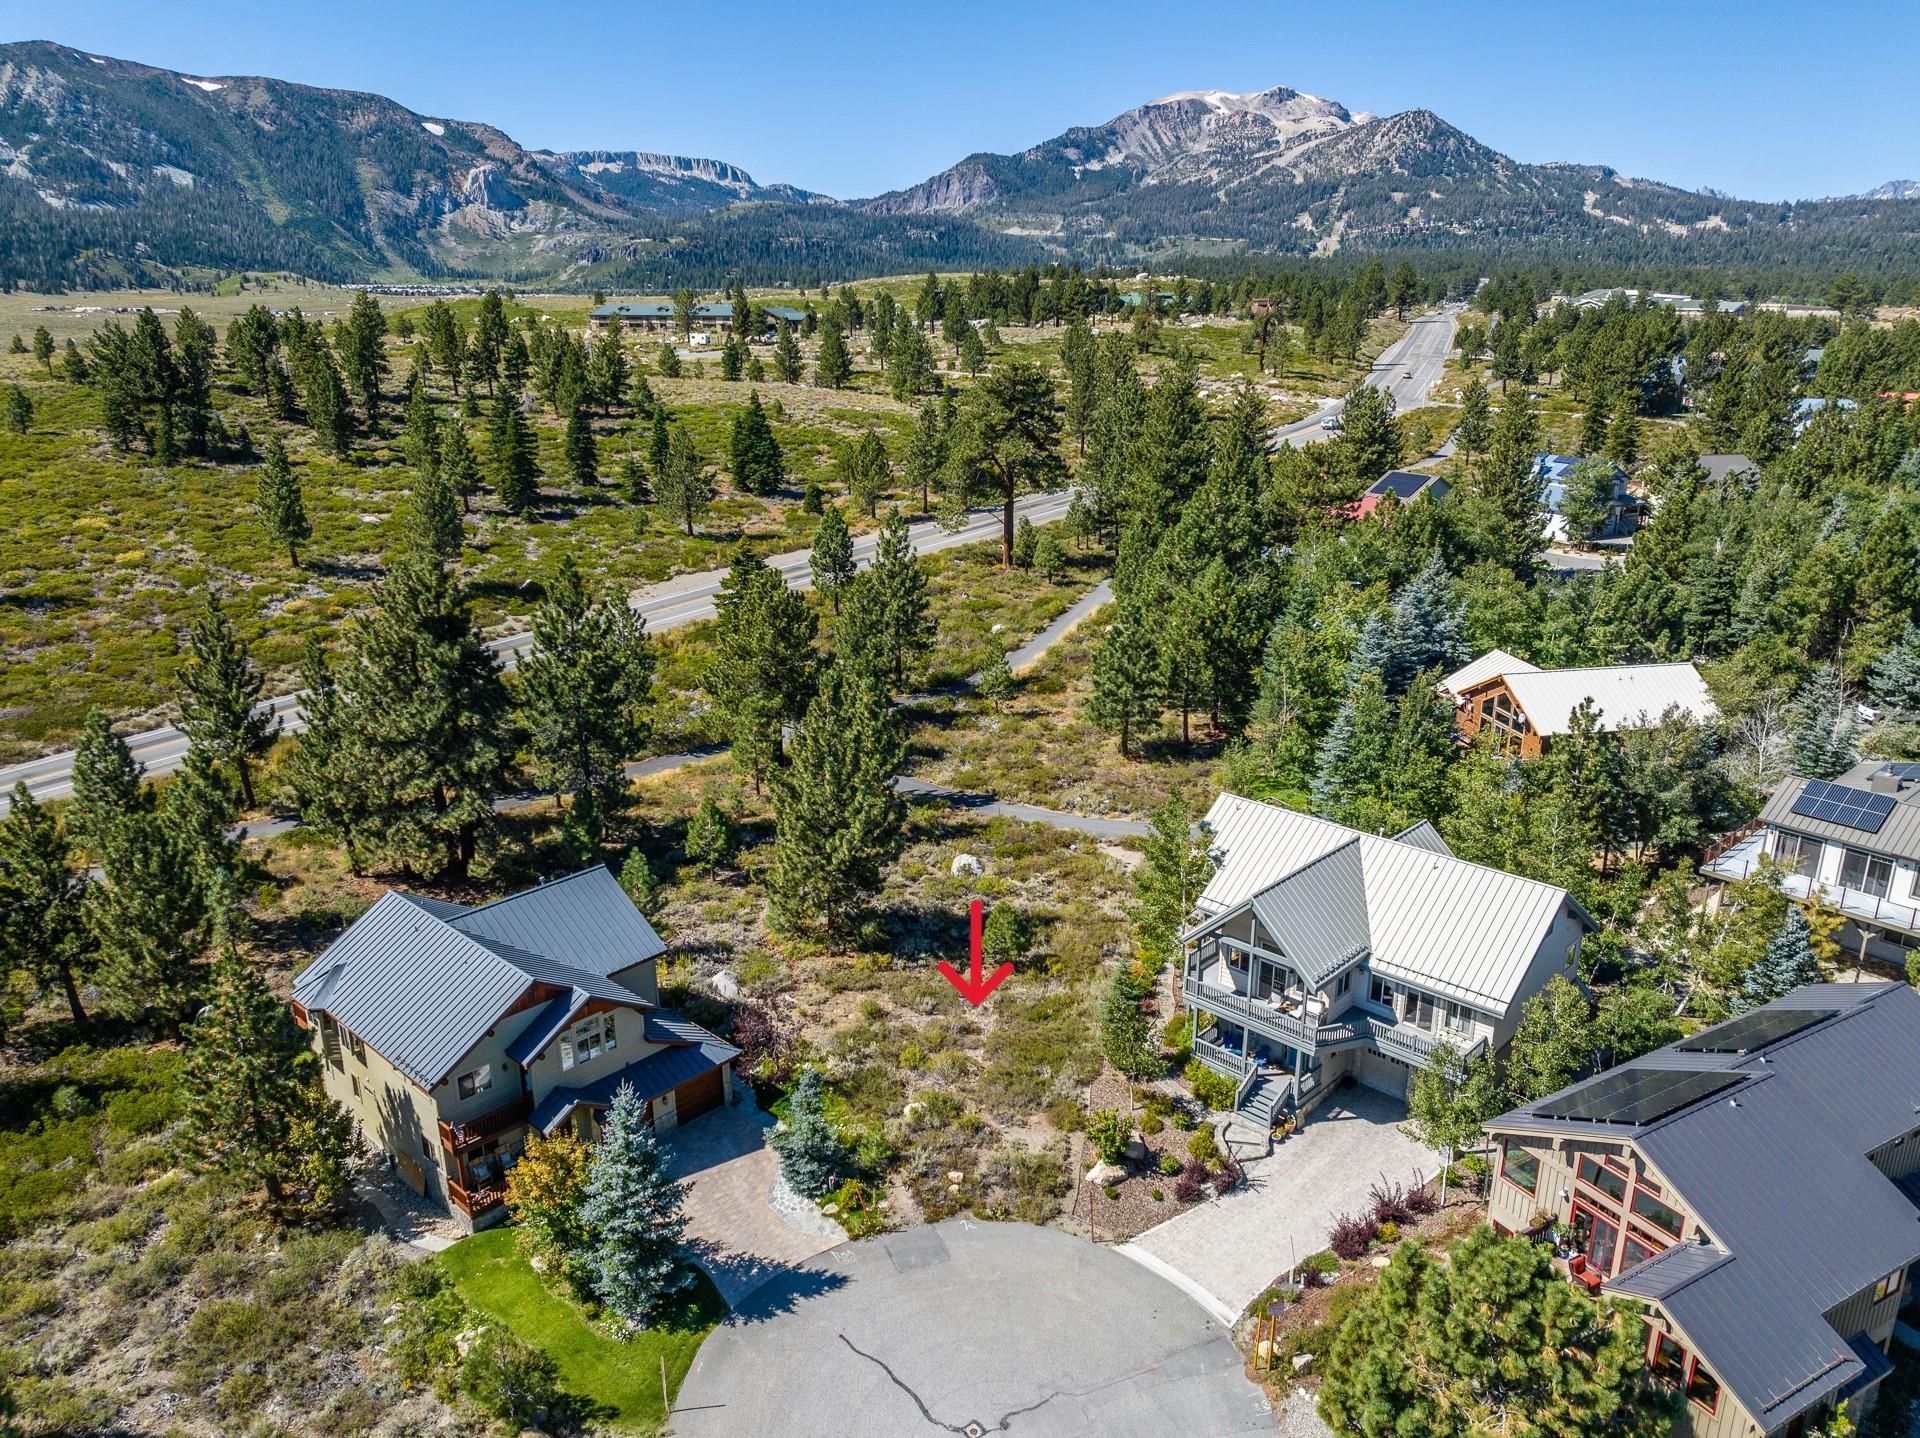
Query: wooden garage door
(696, 1096)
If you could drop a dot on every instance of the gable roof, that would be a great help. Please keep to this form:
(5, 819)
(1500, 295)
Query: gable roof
(1490, 665)
(1777, 1173)
(420, 980)
(1550, 471)
(1462, 930)
(1625, 694)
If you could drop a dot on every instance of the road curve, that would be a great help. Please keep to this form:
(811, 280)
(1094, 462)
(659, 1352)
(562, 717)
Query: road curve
(685, 599)
(1407, 369)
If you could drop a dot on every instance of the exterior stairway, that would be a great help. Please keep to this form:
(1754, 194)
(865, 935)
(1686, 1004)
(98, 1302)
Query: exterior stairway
(1248, 1131)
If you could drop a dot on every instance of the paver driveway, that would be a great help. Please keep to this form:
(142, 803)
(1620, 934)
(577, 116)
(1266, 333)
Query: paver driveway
(968, 1327)
(748, 1226)
(1233, 1247)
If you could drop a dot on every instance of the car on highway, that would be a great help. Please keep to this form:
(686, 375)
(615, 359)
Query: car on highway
(1331, 422)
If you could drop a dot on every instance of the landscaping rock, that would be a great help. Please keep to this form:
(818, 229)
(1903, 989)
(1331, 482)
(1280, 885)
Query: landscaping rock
(1301, 1363)
(1106, 1173)
(725, 985)
(967, 864)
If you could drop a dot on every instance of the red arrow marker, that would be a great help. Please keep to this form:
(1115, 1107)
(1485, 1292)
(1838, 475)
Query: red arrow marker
(974, 989)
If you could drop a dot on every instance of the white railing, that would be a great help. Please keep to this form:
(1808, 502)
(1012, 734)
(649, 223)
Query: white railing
(1855, 903)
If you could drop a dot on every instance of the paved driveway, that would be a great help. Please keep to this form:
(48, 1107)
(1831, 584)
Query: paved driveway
(748, 1225)
(969, 1328)
(1232, 1248)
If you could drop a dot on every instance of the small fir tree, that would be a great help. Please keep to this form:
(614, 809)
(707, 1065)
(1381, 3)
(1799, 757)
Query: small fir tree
(639, 1259)
(812, 1156)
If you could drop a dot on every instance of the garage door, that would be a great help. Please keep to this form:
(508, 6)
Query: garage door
(697, 1095)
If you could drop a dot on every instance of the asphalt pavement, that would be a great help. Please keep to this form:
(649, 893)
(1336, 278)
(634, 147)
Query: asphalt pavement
(1407, 369)
(685, 599)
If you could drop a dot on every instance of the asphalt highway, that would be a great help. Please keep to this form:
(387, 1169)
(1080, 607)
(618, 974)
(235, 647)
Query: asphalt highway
(685, 599)
(1407, 369)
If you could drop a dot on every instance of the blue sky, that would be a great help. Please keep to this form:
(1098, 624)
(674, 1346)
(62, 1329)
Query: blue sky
(1763, 99)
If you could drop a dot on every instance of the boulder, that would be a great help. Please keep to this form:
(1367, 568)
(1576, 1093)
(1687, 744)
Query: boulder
(967, 864)
(725, 985)
(1301, 1363)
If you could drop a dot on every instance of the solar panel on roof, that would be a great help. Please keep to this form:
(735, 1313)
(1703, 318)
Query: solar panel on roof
(1636, 1095)
(1903, 769)
(1841, 804)
(1753, 1032)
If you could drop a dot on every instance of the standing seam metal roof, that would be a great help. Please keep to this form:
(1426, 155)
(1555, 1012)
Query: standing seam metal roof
(1777, 1174)
(1458, 929)
(421, 992)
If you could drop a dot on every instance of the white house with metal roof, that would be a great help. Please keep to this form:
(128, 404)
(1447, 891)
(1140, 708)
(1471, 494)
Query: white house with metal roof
(452, 1033)
(1319, 951)
(1754, 1186)
(1853, 841)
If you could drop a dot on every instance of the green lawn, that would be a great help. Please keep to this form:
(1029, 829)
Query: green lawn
(623, 1377)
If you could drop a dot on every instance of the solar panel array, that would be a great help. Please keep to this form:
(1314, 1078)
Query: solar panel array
(1636, 1096)
(1753, 1032)
(1843, 805)
(1902, 769)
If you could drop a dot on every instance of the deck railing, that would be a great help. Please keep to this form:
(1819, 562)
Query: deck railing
(494, 1121)
(475, 1201)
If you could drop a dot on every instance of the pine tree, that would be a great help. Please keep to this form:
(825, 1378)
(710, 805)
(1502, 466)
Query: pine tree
(1470, 436)
(106, 785)
(1788, 963)
(762, 674)
(1825, 733)
(757, 464)
(1353, 766)
(1126, 695)
(1126, 1035)
(812, 1155)
(1710, 603)
(282, 509)
(832, 366)
(1430, 625)
(900, 591)
(1593, 428)
(220, 689)
(420, 429)
(710, 840)
(837, 818)
(336, 788)
(19, 410)
(1895, 681)
(433, 515)
(254, 1107)
(152, 919)
(202, 809)
(786, 356)
(1506, 489)
(516, 472)
(681, 485)
(1006, 437)
(43, 347)
(607, 370)
(995, 682)
(41, 928)
(458, 467)
(1177, 863)
(325, 400)
(638, 1258)
(423, 699)
(583, 455)
(1623, 433)
(586, 687)
(831, 558)
(926, 454)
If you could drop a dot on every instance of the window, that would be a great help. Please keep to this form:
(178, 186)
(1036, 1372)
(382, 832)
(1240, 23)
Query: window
(1868, 873)
(1667, 1359)
(1703, 1388)
(1458, 1019)
(587, 1040)
(1665, 1219)
(1638, 1248)
(354, 1079)
(1384, 994)
(356, 1048)
(1799, 854)
(1346, 982)
(479, 1081)
(1592, 1172)
(1520, 1168)
(1888, 1285)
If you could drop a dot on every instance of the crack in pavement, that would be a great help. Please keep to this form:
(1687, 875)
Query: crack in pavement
(964, 1429)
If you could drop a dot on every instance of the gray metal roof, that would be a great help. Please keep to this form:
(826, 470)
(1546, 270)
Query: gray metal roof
(651, 1076)
(1423, 836)
(1318, 913)
(585, 921)
(413, 982)
(1777, 1173)
(1899, 836)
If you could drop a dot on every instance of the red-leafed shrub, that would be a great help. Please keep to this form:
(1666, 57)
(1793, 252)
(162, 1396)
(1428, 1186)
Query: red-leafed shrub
(1191, 1186)
(1389, 1203)
(1422, 1200)
(1351, 1235)
(1227, 1176)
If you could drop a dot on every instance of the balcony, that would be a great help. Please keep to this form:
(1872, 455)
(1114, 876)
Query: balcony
(1265, 1016)
(494, 1122)
(1743, 857)
(476, 1201)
